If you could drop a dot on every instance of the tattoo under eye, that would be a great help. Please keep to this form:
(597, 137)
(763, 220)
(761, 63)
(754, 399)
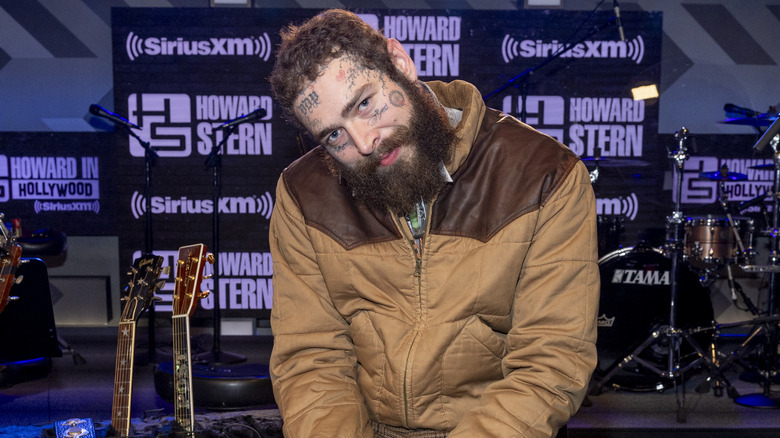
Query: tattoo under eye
(340, 148)
(377, 116)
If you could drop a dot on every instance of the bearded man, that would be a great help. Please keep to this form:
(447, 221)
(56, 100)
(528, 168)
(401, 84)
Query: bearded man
(434, 260)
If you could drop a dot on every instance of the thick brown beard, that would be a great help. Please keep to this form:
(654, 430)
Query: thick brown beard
(400, 186)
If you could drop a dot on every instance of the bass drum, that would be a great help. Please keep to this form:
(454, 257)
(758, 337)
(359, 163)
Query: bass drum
(635, 300)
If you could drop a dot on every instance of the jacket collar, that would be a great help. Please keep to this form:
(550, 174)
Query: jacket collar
(465, 97)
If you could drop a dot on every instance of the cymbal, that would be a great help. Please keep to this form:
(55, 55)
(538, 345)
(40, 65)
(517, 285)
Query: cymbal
(761, 268)
(765, 119)
(616, 162)
(720, 176)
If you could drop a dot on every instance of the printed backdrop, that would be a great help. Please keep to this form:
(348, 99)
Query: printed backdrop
(181, 73)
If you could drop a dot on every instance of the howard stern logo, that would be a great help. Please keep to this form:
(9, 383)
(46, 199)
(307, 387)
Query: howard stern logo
(179, 125)
(137, 46)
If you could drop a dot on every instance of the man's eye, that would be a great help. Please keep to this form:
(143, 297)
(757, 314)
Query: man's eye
(364, 103)
(333, 136)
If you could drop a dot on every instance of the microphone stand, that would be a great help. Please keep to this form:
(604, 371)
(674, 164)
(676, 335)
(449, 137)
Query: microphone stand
(216, 356)
(150, 159)
(564, 48)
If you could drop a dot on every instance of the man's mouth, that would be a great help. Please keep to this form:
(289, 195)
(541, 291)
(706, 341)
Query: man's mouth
(390, 158)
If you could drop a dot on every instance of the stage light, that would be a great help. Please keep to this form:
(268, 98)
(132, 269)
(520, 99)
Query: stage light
(645, 92)
(544, 3)
(233, 3)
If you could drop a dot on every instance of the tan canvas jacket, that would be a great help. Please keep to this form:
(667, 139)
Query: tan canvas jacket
(492, 333)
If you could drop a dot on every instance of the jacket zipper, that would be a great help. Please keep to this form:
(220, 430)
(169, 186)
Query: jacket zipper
(417, 243)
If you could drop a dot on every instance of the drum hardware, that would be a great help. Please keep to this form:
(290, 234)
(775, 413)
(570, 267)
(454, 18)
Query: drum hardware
(670, 333)
(766, 399)
(717, 367)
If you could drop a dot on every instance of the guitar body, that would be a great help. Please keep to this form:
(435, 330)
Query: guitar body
(189, 274)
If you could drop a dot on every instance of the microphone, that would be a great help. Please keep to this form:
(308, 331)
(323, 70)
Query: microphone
(769, 134)
(731, 108)
(102, 112)
(256, 114)
(619, 23)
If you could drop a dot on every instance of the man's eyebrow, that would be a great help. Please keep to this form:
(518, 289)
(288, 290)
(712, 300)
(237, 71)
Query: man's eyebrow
(344, 112)
(355, 98)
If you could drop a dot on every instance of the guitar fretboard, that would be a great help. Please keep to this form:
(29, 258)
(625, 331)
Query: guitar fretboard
(182, 374)
(123, 379)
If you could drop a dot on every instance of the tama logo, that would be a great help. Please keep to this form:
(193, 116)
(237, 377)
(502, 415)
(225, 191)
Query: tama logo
(259, 46)
(634, 49)
(643, 277)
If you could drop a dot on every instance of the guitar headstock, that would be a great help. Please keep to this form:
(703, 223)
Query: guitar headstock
(189, 274)
(140, 290)
(10, 253)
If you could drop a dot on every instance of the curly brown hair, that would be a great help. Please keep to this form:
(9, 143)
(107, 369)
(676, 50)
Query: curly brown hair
(307, 48)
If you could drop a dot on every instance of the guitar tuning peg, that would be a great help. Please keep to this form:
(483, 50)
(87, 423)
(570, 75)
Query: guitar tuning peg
(210, 258)
(159, 284)
(205, 277)
(204, 294)
(18, 279)
(166, 270)
(12, 298)
(124, 298)
(156, 299)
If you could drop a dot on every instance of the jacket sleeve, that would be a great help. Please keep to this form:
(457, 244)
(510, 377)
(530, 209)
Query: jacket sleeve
(551, 350)
(312, 365)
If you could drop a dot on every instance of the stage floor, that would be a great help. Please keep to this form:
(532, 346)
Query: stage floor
(85, 390)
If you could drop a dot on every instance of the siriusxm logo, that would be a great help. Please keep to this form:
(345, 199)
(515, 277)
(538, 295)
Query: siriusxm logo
(622, 205)
(259, 46)
(634, 49)
(262, 205)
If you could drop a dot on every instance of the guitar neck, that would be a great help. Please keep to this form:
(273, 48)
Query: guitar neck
(182, 373)
(123, 379)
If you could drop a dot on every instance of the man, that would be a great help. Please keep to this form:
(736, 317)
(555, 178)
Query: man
(434, 260)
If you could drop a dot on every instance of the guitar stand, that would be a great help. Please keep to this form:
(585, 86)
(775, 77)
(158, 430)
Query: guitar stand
(67, 349)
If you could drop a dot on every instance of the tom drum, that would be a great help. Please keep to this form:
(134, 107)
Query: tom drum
(711, 241)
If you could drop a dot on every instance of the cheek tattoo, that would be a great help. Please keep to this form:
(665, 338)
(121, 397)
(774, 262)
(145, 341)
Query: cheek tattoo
(377, 115)
(397, 99)
(340, 148)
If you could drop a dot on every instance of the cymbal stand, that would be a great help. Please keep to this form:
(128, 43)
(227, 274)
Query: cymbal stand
(675, 336)
(766, 399)
(745, 254)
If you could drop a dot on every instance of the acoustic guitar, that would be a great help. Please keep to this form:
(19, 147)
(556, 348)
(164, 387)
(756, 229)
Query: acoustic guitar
(10, 253)
(140, 295)
(189, 274)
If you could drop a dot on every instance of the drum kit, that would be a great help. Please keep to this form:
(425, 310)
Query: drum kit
(669, 330)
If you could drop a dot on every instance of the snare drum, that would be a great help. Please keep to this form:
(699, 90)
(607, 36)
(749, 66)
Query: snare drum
(710, 241)
(635, 300)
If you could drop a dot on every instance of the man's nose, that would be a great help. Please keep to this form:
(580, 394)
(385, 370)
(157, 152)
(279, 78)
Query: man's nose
(366, 139)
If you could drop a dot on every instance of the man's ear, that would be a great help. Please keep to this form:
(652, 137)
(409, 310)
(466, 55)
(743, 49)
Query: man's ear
(401, 59)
